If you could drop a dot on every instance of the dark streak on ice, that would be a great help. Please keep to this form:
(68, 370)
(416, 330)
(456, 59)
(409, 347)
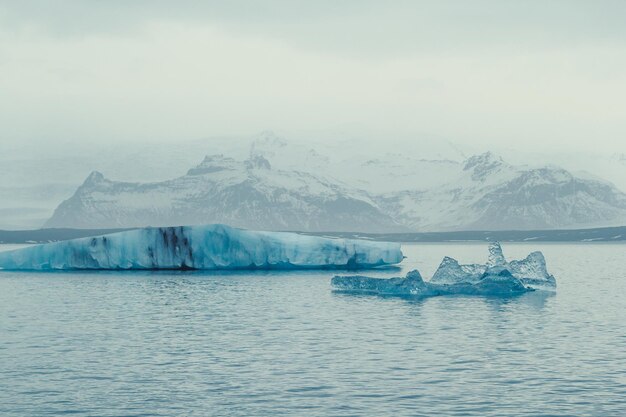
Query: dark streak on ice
(211, 247)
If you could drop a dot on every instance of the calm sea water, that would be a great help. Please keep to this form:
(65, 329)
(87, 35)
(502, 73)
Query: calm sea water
(257, 344)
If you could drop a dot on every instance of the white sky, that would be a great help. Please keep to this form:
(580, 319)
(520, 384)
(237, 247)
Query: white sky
(529, 74)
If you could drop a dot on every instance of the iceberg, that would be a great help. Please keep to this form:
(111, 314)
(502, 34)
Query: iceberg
(210, 247)
(496, 278)
(451, 272)
(494, 282)
(532, 271)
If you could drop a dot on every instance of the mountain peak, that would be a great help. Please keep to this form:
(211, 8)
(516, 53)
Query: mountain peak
(212, 163)
(266, 144)
(483, 164)
(95, 177)
(483, 159)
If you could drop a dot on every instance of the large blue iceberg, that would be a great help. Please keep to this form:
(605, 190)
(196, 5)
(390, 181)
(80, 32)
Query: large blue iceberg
(212, 247)
(496, 278)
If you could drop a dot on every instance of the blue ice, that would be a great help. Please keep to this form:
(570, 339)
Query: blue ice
(497, 277)
(210, 247)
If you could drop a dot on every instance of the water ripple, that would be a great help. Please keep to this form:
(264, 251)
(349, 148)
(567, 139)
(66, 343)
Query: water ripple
(283, 344)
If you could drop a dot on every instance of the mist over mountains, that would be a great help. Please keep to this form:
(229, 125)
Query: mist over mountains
(275, 184)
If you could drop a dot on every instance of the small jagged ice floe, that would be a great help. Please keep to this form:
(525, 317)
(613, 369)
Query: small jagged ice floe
(211, 247)
(532, 271)
(496, 278)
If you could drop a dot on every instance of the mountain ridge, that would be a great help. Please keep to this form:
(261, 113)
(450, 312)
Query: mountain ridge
(481, 192)
(220, 189)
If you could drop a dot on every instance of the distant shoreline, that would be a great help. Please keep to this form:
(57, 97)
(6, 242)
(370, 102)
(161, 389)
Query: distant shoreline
(605, 234)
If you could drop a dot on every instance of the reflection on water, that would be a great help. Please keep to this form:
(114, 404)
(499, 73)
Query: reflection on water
(271, 343)
(535, 299)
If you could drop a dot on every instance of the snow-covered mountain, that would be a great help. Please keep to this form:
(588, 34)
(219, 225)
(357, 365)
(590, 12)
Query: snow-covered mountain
(249, 194)
(489, 194)
(389, 193)
(330, 183)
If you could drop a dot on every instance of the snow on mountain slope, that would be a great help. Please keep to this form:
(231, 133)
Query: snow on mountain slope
(247, 194)
(372, 167)
(600, 165)
(489, 194)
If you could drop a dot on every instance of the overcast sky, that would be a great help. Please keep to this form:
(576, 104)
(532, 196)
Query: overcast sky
(519, 73)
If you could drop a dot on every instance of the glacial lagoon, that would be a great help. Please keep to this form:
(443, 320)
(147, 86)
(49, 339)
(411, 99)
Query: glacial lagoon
(283, 343)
